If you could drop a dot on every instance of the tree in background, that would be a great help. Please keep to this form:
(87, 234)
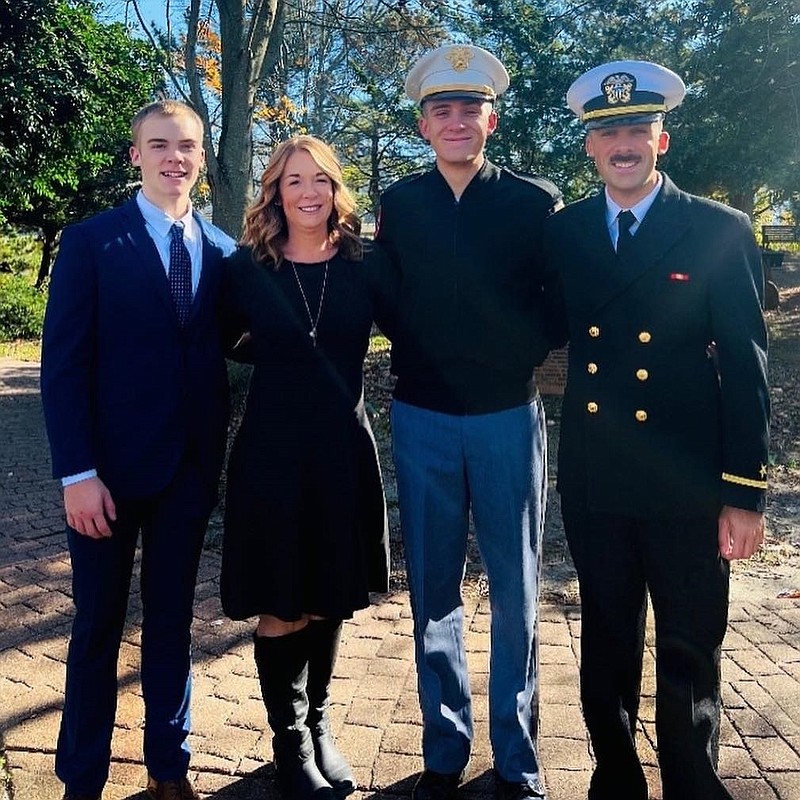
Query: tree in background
(221, 78)
(736, 136)
(68, 89)
(346, 63)
(545, 47)
(260, 71)
(738, 131)
(336, 68)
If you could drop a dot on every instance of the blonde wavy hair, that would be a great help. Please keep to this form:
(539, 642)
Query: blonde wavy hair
(265, 228)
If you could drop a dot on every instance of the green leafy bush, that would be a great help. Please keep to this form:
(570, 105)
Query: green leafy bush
(21, 308)
(19, 252)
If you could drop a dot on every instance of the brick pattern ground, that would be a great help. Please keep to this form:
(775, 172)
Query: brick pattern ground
(375, 713)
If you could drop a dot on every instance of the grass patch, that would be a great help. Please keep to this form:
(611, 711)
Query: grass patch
(22, 350)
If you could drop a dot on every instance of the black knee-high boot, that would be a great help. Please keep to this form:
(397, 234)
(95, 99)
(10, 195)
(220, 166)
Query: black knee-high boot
(282, 663)
(323, 647)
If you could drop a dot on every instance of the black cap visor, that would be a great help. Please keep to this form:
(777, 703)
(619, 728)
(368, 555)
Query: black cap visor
(459, 94)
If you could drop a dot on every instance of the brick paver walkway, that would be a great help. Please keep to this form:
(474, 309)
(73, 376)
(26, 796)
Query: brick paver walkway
(375, 713)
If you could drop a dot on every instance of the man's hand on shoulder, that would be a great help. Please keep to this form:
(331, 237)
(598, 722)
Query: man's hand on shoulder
(89, 508)
(741, 532)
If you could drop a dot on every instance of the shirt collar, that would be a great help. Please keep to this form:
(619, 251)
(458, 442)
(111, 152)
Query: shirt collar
(161, 222)
(639, 210)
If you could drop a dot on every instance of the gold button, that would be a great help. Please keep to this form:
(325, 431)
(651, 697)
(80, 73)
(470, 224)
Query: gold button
(594, 331)
(592, 408)
(641, 416)
(642, 374)
(644, 337)
(591, 368)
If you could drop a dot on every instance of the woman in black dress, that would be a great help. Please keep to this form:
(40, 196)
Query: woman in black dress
(305, 520)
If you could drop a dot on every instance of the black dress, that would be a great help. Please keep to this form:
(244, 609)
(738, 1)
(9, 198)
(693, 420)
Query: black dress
(305, 517)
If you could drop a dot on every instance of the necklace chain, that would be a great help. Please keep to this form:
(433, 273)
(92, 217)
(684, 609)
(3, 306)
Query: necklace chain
(314, 321)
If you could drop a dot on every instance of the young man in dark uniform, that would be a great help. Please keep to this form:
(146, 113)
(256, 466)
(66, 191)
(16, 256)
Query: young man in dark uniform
(467, 423)
(663, 452)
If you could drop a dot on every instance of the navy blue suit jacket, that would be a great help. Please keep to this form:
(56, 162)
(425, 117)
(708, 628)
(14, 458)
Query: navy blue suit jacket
(125, 389)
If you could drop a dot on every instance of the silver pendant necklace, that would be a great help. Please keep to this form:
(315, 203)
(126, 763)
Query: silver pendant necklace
(313, 320)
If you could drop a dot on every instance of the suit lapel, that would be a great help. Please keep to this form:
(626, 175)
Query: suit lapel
(149, 260)
(210, 257)
(598, 275)
(665, 223)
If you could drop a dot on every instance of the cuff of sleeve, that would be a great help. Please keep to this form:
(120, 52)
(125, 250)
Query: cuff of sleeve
(80, 476)
(747, 497)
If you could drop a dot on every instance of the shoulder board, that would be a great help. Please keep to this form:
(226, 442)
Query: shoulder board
(541, 183)
(405, 181)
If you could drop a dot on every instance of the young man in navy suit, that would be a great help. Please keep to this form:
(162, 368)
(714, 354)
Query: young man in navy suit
(135, 397)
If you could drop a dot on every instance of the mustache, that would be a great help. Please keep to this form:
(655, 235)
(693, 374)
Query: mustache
(625, 159)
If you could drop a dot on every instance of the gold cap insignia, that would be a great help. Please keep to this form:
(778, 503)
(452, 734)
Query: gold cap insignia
(459, 58)
(618, 88)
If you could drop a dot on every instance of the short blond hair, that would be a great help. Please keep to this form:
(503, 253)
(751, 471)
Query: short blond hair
(163, 108)
(265, 229)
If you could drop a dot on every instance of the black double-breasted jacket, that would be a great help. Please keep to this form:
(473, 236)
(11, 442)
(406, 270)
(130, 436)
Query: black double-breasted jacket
(666, 410)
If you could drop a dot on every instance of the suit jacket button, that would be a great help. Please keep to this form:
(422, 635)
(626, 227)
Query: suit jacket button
(644, 337)
(641, 416)
(594, 331)
(642, 374)
(592, 408)
(591, 368)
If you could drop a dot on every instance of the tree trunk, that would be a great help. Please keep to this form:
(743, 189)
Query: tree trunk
(251, 32)
(49, 237)
(374, 189)
(743, 199)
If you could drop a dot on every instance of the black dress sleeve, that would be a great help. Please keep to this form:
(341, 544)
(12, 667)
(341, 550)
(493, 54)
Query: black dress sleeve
(383, 285)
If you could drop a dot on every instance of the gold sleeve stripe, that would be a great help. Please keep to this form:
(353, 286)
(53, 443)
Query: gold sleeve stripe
(726, 476)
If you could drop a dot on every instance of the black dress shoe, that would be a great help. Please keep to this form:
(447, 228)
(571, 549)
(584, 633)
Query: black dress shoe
(436, 785)
(79, 796)
(509, 790)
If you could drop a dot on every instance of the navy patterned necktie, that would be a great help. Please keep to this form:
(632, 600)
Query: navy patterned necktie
(180, 273)
(625, 219)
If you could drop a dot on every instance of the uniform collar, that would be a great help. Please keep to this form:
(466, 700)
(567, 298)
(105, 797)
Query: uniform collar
(639, 210)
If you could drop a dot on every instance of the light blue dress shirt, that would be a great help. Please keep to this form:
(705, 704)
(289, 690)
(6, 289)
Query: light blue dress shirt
(639, 211)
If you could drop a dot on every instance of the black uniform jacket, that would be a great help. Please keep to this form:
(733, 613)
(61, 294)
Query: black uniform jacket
(472, 298)
(666, 410)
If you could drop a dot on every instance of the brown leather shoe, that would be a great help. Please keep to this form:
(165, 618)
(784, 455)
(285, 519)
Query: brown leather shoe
(171, 790)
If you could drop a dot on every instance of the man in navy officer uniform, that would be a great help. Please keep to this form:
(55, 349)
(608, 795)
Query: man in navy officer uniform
(662, 465)
(468, 428)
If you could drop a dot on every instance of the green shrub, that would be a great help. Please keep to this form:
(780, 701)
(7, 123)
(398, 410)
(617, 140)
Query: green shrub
(21, 308)
(19, 252)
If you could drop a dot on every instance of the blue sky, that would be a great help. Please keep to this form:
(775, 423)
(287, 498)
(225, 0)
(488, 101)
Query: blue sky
(151, 10)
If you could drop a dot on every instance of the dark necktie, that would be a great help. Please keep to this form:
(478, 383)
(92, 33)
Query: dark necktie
(180, 273)
(625, 219)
